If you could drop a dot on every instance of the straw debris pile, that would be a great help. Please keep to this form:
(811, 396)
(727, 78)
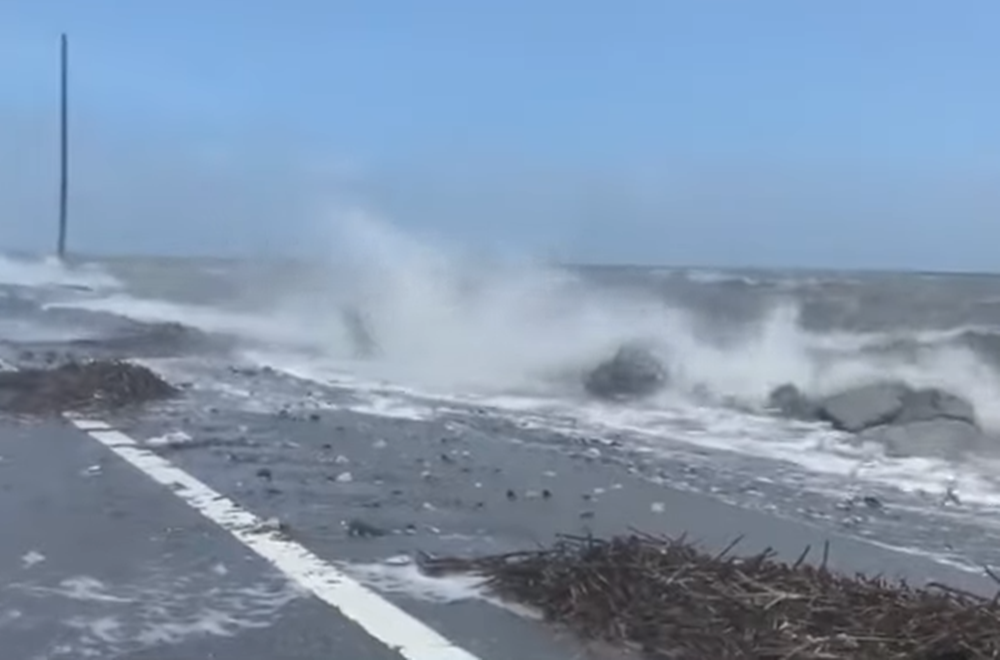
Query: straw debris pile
(97, 385)
(673, 601)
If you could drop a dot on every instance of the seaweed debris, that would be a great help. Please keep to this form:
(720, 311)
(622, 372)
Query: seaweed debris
(87, 386)
(671, 600)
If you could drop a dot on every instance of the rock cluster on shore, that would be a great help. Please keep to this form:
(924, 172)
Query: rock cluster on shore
(671, 600)
(99, 385)
(906, 421)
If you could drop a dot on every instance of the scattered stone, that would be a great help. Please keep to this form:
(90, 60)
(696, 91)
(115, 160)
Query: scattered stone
(511, 495)
(265, 473)
(872, 502)
(272, 526)
(314, 417)
(361, 529)
(546, 494)
(341, 460)
(657, 507)
(344, 478)
(97, 385)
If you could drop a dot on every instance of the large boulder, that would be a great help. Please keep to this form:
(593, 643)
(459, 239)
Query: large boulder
(789, 401)
(632, 372)
(937, 438)
(866, 406)
(933, 403)
(876, 404)
(905, 421)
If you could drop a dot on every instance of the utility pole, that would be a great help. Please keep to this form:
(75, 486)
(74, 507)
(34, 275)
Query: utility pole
(63, 145)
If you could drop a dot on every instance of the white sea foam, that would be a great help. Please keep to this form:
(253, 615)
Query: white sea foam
(119, 620)
(400, 575)
(50, 271)
(514, 334)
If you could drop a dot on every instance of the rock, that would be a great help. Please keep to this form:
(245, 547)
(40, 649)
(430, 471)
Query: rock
(933, 403)
(936, 438)
(789, 401)
(864, 407)
(632, 372)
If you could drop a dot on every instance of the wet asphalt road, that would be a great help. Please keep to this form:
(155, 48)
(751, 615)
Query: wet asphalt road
(96, 560)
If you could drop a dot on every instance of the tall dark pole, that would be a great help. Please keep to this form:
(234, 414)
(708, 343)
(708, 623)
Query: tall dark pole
(63, 144)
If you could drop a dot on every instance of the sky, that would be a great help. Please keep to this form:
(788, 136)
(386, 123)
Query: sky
(710, 132)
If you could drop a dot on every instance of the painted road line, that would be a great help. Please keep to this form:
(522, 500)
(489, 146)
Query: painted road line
(384, 621)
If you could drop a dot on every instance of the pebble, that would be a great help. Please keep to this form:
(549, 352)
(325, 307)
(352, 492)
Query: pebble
(359, 528)
(345, 477)
(271, 525)
(657, 507)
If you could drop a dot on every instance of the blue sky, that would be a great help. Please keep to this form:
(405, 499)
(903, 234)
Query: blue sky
(711, 132)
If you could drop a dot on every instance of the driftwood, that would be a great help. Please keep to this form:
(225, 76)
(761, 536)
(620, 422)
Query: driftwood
(670, 600)
(80, 386)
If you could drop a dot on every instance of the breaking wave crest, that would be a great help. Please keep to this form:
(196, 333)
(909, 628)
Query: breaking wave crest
(50, 272)
(452, 320)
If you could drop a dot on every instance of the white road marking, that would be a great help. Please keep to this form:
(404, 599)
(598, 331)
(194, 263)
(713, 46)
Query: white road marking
(385, 622)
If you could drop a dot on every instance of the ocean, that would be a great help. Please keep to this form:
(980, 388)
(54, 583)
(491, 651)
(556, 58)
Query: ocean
(497, 344)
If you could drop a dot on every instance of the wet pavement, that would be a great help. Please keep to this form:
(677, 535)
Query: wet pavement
(100, 561)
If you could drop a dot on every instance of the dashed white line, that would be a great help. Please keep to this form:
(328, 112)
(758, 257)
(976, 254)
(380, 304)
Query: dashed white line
(382, 620)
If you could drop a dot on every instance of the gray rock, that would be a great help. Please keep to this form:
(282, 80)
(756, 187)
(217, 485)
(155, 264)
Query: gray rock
(632, 372)
(933, 403)
(789, 401)
(936, 438)
(864, 407)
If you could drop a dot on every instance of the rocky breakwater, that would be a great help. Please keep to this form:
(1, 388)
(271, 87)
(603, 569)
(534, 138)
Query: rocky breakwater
(906, 421)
